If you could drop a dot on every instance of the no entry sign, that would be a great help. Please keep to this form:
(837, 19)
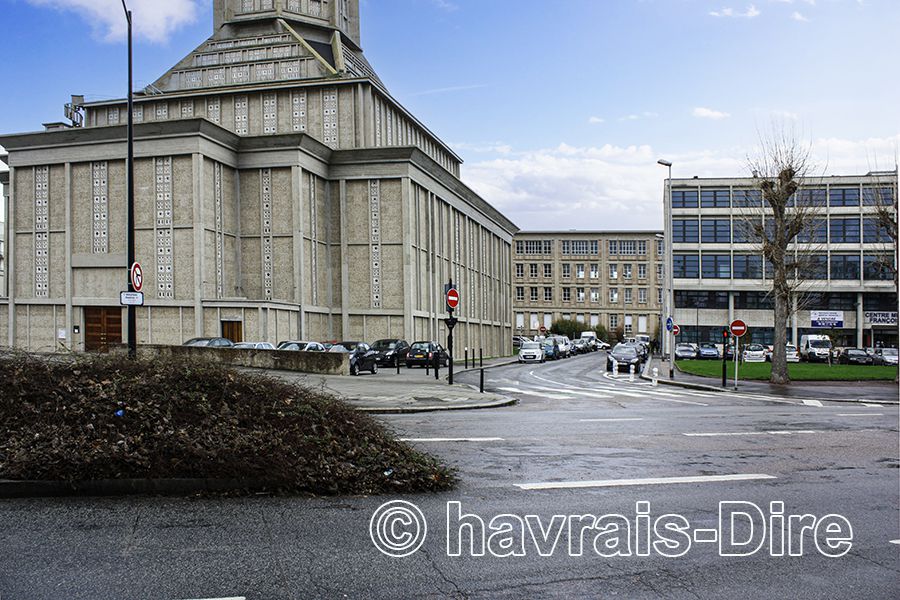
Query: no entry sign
(452, 298)
(738, 328)
(137, 277)
(676, 329)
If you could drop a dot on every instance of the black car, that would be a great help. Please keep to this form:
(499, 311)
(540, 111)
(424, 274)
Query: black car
(216, 342)
(625, 355)
(362, 358)
(391, 352)
(422, 353)
(855, 356)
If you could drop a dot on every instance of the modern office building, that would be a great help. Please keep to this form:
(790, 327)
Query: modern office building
(846, 289)
(613, 278)
(281, 192)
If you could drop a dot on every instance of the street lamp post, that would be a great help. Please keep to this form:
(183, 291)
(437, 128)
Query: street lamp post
(132, 316)
(670, 304)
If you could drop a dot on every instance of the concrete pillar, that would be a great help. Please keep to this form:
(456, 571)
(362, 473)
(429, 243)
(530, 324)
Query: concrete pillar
(199, 273)
(11, 256)
(859, 320)
(407, 211)
(297, 204)
(730, 307)
(345, 275)
(69, 282)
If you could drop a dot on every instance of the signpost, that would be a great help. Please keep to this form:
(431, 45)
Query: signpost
(451, 295)
(738, 328)
(542, 330)
(670, 324)
(131, 298)
(675, 330)
(137, 277)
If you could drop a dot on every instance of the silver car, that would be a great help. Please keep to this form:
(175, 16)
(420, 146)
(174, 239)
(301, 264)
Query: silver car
(531, 352)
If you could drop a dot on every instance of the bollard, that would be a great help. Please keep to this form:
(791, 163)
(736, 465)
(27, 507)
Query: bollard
(631, 373)
(655, 376)
(398, 364)
(481, 383)
(437, 365)
(467, 358)
(480, 358)
(615, 367)
(427, 368)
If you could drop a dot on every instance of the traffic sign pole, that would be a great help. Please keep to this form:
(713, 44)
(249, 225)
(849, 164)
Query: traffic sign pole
(737, 352)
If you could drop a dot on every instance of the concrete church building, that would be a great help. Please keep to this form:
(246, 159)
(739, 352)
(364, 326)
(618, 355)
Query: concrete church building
(281, 192)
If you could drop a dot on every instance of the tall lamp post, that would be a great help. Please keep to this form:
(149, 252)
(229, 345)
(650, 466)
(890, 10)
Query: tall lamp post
(667, 229)
(132, 316)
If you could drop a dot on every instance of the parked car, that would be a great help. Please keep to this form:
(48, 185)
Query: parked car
(422, 353)
(215, 342)
(301, 346)
(754, 353)
(531, 352)
(885, 357)
(790, 351)
(708, 350)
(362, 357)
(551, 349)
(254, 346)
(590, 338)
(391, 352)
(815, 347)
(518, 340)
(685, 351)
(601, 345)
(625, 356)
(565, 346)
(580, 346)
(642, 350)
(854, 356)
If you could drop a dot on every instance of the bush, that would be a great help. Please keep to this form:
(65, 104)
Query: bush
(95, 418)
(567, 327)
(602, 333)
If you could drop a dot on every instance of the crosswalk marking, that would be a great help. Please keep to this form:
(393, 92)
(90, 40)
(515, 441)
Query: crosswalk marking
(812, 402)
(538, 394)
(610, 420)
(574, 391)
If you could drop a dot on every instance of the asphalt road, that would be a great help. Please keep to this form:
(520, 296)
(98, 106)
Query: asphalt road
(621, 442)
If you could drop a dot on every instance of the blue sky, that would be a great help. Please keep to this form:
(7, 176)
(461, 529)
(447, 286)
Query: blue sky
(559, 113)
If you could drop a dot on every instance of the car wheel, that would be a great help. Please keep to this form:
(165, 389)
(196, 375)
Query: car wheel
(354, 369)
(374, 368)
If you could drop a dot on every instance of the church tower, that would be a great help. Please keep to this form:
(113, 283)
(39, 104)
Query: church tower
(328, 15)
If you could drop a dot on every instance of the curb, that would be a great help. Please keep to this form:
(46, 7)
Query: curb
(506, 401)
(126, 487)
(476, 369)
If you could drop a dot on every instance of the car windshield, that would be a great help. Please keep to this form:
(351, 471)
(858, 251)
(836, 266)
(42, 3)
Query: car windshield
(684, 347)
(420, 347)
(197, 342)
(820, 344)
(530, 346)
(857, 352)
(755, 348)
(384, 345)
(708, 346)
(889, 352)
(624, 352)
(790, 348)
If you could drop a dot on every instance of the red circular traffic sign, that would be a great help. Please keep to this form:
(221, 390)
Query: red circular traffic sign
(137, 277)
(676, 330)
(738, 328)
(543, 329)
(452, 298)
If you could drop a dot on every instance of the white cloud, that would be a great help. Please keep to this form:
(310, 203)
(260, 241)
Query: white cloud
(797, 16)
(615, 187)
(596, 120)
(445, 5)
(639, 116)
(154, 20)
(702, 112)
(482, 147)
(750, 13)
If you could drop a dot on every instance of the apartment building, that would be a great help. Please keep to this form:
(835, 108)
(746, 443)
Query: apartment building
(613, 278)
(846, 286)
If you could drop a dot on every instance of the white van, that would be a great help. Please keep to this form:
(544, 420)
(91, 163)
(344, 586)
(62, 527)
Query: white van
(565, 346)
(590, 337)
(815, 348)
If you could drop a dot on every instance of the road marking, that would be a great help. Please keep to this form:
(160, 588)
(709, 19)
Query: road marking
(812, 403)
(895, 541)
(742, 433)
(538, 394)
(474, 439)
(681, 401)
(610, 420)
(578, 392)
(872, 405)
(556, 485)
(860, 414)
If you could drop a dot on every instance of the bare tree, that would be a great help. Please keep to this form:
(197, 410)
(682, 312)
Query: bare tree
(782, 170)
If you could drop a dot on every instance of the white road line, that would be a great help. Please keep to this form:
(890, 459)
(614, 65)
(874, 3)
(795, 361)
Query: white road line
(577, 392)
(812, 403)
(873, 405)
(895, 541)
(860, 414)
(610, 420)
(681, 401)
(556, 485)
(474, 439)
(743, 433)
(538, 394)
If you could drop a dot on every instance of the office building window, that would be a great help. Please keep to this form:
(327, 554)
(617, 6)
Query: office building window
(715, 198)
(832, 301)
(628, 294)
(686, 266)
(692, 299)
(534, 294)
(626, 271)
(874, 232)
(747, 198)
(566, 270)
(844, 196)
(660, 248)
(580, 247)
(811, 197)
(613, 247)
(685, 231)
(613, 295)
(628, 324)
(548, 294)
(883, 196)
(613, 321)
(548, 270)
(579, 294)
(567, 294)
(520, 320)
(815, 232)
(746, 230)
(659, 272)
(845, 231)
(878, 268)
(716, 266)
(595, 295)
(716, 231)
(595, 271)
(579, 271)
(613, 271)
(880, 301)
(754, 300)
(845, 266)
(642, 248)
(520, 270)
(520, 247)
(815, 266)
(748, 266)
(535, 247)
(684, 198)
(642, 271)
(595, 248)
(566, 247)
(533, 270)
(642, 296)
(659, 296)
(520, 293)
(627, 248)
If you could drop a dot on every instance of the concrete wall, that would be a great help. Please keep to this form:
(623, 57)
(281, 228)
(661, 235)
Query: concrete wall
(323, 363)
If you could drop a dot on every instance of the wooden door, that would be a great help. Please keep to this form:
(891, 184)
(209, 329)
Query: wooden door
(233, 330)
(102, 328)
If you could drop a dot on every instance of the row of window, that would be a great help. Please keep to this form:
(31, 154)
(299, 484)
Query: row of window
(535, 320)
(741, 198)
(587, 247)
(837, 230)
(765, 301)
(580, 295)
(812, 266)
(534, 270)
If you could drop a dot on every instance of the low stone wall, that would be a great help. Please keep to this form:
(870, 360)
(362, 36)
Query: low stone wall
(322, 363)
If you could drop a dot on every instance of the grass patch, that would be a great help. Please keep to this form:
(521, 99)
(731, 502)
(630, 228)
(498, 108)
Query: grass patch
(94, 418)
(797, 371)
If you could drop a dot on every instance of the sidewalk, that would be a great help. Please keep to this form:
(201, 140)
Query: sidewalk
(837, 391)
(409, 392)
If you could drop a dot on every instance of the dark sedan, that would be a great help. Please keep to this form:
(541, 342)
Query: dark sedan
(362, 357)
(423, 353)
(855, 356)
(391, 352)
(625, 355)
